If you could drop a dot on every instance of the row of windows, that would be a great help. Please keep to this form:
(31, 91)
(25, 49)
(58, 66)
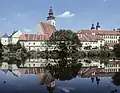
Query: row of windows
(110, 37)
(112, 65)
(111, 70)
(112, 41)
(34, 43)
(36, 65)
(90, 43)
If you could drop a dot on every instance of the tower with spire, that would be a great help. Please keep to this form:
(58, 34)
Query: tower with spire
(51, 18)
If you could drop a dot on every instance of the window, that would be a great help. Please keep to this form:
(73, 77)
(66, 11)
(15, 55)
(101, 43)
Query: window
(29, 43)
(29, 65)
(33, 43)
(33, 64)
(5, 40)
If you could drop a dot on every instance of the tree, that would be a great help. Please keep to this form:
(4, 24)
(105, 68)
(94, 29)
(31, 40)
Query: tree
(63, 47)
(116, 50)
(1, 51)
(15, 54)
(67, 44)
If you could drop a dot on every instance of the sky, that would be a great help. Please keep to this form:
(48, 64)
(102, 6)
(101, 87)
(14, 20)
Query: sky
(70, 14)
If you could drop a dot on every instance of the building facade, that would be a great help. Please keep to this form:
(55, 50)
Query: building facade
(14, 38)
(91, 41)
(109, 37)
(5, 39)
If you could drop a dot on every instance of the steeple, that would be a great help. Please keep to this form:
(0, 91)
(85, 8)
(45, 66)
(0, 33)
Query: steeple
(98, 26)
(51, 18)
(92, 27)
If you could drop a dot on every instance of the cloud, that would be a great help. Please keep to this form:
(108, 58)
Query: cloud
(105, 0)
(27, 30)
(66, 14)
(3, 18)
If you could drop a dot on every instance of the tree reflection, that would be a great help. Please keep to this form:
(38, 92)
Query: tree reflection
(116, 79)
(61, 72)
(50, 89)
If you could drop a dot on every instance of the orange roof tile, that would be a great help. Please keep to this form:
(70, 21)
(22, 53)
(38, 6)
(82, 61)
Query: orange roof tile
(47, 28)
(89, 38)
(34, 37)
(99, 32)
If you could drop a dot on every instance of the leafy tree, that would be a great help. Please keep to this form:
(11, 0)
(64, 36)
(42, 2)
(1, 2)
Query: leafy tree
(66, 44)
(116, 50)
(1, 51)
(64, 47)
(15, 54)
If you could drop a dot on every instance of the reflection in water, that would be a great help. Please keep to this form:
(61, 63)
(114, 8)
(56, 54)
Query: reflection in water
(114, 91)
(50, 89)
(66, 89)
(116, 79)
(98, 81)
(92, 78)
(64, 73)
(70, 72)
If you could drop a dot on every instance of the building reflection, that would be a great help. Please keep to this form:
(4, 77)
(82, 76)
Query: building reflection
(98, 81)
(92, 79)
(51, 87)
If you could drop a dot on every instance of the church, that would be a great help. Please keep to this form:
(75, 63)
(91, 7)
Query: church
(45, 30)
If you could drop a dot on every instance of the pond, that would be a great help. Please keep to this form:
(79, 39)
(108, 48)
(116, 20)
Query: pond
(29, 83)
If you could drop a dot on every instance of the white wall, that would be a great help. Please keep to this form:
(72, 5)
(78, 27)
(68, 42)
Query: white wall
(111, 38)
(93, 44)
(34, 45)
(4, 41)
(14, 39)
(52, 22)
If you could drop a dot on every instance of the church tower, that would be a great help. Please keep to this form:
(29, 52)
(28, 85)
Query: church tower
(51, 18)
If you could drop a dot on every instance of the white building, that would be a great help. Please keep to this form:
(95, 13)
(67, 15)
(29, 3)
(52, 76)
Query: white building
(93, 64)
(91, 41)
(112, 66)
(4, 39)
(13, 39)
(109, 36)
(38, 41)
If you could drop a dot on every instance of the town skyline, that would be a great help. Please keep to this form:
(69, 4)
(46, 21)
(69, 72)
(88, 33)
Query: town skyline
(25, 15)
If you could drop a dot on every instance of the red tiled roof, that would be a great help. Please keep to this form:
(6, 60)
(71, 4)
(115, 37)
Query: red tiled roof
(87, 38)
(99, 32)
(34, 37)
(47, 28)
(32, 70)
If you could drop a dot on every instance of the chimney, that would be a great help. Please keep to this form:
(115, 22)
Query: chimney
(98, 26)
(92, 27)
